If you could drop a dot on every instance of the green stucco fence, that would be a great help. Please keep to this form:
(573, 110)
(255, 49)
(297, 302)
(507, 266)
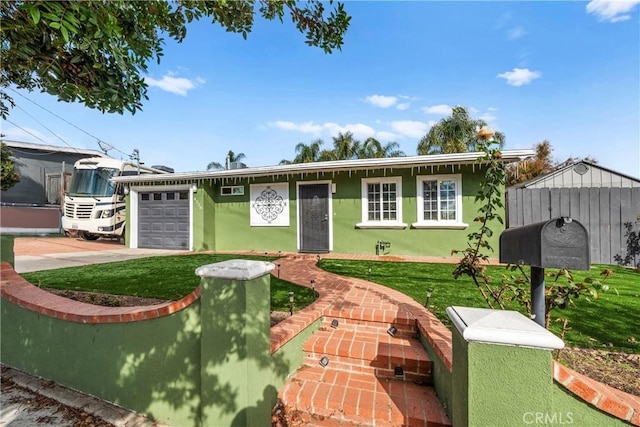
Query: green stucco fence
(210, 359)
(208, 363)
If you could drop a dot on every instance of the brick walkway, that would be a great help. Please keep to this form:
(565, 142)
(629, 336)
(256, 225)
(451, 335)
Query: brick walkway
(360, 385)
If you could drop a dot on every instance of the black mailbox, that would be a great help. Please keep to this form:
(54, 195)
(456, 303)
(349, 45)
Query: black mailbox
(557, 243)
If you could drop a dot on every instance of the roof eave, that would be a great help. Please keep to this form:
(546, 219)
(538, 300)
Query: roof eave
(331, 166)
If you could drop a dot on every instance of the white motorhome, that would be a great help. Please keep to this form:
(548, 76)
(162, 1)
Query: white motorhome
(93, 205)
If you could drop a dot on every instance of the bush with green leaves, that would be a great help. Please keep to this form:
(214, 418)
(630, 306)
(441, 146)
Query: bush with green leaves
(561, 290)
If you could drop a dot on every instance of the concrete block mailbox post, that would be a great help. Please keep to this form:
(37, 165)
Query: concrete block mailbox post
(235, 354)
(502, 374)
(501, 367)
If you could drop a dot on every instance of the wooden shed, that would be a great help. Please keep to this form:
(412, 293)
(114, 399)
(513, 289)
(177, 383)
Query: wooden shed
(602, 199)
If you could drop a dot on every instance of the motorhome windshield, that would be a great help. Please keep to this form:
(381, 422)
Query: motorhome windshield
(92, 182)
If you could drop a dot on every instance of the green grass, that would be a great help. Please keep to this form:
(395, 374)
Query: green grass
(165, 277)
(611, 321)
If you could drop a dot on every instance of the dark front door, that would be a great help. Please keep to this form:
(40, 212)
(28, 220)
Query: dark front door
(314, 217)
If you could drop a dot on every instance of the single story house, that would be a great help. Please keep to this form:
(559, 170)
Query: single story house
(33, 204)
(601, 199)
(418, 205)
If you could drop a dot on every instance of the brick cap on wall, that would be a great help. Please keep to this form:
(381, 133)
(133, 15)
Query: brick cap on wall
(18, 291)
(614, 402)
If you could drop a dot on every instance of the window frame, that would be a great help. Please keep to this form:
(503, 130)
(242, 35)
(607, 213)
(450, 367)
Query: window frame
(234, 190)
(439, 223)
(366, 223)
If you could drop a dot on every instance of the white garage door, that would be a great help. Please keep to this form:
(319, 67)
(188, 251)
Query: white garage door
(163, 219)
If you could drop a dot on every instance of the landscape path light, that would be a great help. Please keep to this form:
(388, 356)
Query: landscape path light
(291, 296)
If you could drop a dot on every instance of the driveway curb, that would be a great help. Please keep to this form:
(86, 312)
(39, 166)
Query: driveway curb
(109, 412)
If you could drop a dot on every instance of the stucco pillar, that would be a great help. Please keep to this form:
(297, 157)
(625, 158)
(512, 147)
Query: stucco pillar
(235, 347)
(502, 368)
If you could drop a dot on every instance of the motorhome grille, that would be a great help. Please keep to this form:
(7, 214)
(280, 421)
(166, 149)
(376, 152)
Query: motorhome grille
(78, 210)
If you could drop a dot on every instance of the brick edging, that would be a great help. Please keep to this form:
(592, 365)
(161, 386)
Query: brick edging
(614, 402)
(15, 289)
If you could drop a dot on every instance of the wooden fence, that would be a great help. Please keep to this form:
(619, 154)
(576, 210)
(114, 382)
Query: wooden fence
(603, 211)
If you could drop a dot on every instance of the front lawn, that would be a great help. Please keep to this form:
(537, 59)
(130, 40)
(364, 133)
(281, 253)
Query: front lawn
(163, 277)
(609, 322)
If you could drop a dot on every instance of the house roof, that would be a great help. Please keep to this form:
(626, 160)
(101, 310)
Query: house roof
(456, 159)
(52, 148)
(565, 168)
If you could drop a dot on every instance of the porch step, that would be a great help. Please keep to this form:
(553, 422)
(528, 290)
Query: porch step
(375, 353)
(402, 330)
(330, 397)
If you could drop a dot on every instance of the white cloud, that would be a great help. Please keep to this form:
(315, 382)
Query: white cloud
(515, 33)
(442, 109)
(381, 101)
(403, 106)
(520, 76)
(177, 85)
(359, 130)
(27, 134)
(612, 10)
(487, 117)
(411, 128)
(305, 127)
(387, 136)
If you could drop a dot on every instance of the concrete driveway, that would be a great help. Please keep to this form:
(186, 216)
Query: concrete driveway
(46, 253)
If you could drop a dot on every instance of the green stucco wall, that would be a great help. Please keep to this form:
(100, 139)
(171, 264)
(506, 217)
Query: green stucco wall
(442, 378)
(152, 367)
(209, 364)
(288, 358)
(229, 217)
(235, 353)
(502, 385)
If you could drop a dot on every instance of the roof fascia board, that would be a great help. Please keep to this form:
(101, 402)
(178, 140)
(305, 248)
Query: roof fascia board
(331, 166)
(56, 148)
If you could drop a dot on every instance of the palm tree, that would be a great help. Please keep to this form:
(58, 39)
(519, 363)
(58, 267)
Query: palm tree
(345, 147)
(373, 149)
(308, 153)
(455, 134)
(231, 157)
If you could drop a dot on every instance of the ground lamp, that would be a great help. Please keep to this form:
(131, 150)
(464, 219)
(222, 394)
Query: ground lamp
(334, 323)
(429, 293)
(398, 372)
(278, 270)
(313, 288)
(291, 295)
(324, 361)
(556, 243)
(369, 273)
(392, 331)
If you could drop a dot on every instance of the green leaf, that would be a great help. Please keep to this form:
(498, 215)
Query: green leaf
(65, 33)
(35, 14)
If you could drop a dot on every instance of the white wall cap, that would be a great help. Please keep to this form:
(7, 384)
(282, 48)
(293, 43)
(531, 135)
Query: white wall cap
(236, 269)
(501, 327)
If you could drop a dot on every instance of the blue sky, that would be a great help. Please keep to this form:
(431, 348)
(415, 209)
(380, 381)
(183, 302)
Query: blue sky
(567, 72)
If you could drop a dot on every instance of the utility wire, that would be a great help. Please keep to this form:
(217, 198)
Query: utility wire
(66, 121)
(23, 129)
(42, 124)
